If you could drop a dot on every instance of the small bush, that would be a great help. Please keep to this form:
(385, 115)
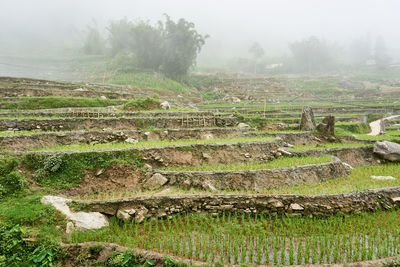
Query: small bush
(147, 103)
(10, 180)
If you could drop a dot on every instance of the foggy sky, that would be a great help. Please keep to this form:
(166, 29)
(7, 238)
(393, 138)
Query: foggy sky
(233, 25)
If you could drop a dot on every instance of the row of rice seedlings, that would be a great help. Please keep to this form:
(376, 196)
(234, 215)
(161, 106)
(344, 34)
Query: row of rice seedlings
(260, 239)
(378, 137)
(331, 145)
(156, 143)
(283, 162)
(359, 179)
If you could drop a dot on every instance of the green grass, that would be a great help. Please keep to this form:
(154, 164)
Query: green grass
(59, 102)
(330, 145)
(358, 180)
(147, 103)
(274, 164)
(378, 137)
(153, 81)
(155, 143)
(397, 132)
(260, 239)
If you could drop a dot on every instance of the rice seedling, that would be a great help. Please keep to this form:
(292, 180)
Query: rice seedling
(358, 180)
(237, 238)
(273, 164)
(154, 143)
(331, 145)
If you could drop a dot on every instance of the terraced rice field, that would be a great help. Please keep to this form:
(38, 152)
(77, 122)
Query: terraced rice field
(212, 183)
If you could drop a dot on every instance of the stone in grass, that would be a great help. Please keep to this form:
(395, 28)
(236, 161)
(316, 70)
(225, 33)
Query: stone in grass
(243, 125)
(155, 181)
(131, 140)
(383, 177)
(165, 105)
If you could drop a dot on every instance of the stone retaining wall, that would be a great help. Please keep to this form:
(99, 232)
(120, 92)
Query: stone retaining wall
(292, 205)
(22, 142)
(192, 154)
(355, 156)
(255, 179)
(113, 123)
(33, 92)
(100, 114)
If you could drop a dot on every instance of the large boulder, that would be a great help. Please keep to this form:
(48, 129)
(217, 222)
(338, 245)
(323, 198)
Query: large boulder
(155, 181)
(327, 125)
(307, 119)
(79, 220)
(388, 150)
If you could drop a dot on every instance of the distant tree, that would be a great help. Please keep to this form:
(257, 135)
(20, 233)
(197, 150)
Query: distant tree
(94, 43)
(382, 58)
(311, 54)
(147, 45)
(360, 51)
(181, 45)
(120, 37)
(257, 52)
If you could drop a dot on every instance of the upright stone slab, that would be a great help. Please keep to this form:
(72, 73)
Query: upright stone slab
(327, 125)
(307, 119)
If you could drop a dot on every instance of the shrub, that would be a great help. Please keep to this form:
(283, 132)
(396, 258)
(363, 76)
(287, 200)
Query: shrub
(147, 103)
(10, 180)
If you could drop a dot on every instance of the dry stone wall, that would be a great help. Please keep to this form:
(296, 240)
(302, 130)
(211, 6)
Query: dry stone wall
(355, 156)
(23, 142)
(192, 154)
(255, 179)
(292, 205)
(113, 123)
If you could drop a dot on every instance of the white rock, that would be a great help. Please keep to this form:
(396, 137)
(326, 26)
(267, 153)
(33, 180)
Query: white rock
(388, 150)
(103, 97)
(396, 199)
(208, 186)
(155, 181)
(70, 227)
(125, 215)
(295, 206)
(383, 177)
(235, 99)
(165, 105)
(284, 152)
(131, 140)
(243, 125)
(81, 220)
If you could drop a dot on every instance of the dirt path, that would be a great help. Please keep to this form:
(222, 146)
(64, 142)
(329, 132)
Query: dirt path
(376, 125)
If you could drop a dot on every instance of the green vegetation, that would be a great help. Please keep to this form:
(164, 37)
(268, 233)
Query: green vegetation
(358, 180)
(11, 181)
(155, 143)
(260, 239)
(28, 233)
(378, 137)
(66, 170)
(358, 128)
(153, 81)
(59, 102)
(397, 132)
(147, 103)
(274, 164)
(331, 145)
